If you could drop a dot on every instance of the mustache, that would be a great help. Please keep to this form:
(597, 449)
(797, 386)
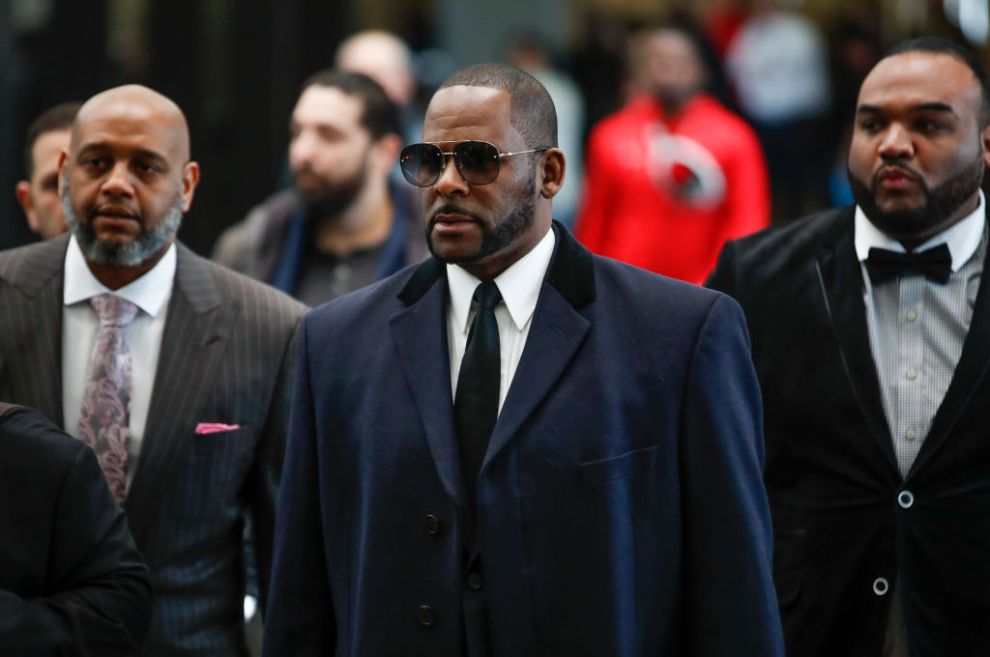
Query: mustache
(110, 209)
(903, 169)
(450, 208)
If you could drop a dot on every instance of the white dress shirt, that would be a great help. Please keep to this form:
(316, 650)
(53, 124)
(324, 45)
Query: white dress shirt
(80, 325)
(520, 288)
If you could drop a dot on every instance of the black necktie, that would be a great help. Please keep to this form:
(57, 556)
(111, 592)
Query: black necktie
(935, 264)
(476, 403)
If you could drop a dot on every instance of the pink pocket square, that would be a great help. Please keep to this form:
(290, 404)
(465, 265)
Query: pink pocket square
(214, 427)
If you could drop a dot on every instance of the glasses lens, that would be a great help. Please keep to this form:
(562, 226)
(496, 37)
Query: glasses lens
(477, 161)
(421, 164)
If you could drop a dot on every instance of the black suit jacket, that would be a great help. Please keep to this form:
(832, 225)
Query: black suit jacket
(71, 581)
(831, 472)
(225, 358)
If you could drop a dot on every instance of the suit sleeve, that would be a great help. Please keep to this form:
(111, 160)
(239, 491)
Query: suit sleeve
(265, 478)
(98, 598)
(730, 606)
(301, 621)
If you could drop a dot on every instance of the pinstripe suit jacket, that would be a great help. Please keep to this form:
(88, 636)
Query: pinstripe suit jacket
(226, 357)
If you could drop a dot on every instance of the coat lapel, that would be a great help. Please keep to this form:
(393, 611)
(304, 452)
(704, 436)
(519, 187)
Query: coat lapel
(196, 328)
(557, 331)
(841, 281)
(970, 371)
(420, 335)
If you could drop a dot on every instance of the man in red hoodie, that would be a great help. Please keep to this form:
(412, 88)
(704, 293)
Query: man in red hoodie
(672, 175)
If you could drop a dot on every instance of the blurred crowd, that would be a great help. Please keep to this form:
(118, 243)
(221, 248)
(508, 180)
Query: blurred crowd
(679, 135)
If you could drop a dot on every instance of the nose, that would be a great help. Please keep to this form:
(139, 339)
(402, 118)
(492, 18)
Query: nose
(301, 148)
(896, 143)
(118, 182)
(450, 182)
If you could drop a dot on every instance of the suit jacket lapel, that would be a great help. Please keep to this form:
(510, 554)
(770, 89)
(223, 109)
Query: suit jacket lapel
(195, 331)
(37, 358)
(841, 281)
(970, 371)
(557, 331)
(420, 335)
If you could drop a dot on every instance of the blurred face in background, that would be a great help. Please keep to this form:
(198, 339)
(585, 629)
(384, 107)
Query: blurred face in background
(39, 195)
(670, 68)
(329, 148)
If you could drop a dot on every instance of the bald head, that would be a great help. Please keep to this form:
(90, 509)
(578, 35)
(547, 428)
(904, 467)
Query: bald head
(384, 58)
(134, 104)
(126, 180)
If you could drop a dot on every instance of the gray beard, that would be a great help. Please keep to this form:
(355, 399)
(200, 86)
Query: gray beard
(129, 254)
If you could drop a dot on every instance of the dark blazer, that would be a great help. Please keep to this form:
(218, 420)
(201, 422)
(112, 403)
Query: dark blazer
(621, 510)
(71, 581)
(831, 472)
(226, 358)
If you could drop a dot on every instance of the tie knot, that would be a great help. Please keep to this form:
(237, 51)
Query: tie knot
(112, 310)
(486, 295)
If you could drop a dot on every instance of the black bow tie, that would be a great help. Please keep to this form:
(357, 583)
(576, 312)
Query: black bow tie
(935, 264)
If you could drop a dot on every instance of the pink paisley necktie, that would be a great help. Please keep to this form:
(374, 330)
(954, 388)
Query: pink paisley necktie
(103, 422)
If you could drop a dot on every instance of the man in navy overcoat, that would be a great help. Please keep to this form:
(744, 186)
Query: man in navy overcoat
(617, 506)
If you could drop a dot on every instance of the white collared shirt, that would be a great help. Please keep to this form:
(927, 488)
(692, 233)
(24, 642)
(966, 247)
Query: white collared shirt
(962, 238)
(80, 325)
(917, 327)
(520, 288)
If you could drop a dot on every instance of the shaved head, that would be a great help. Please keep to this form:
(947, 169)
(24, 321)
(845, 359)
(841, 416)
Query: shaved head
(126, 180)
(139, 104)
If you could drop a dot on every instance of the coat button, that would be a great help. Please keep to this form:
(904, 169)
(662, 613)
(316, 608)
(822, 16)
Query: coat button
(881, 586)
(905, 499)
(474, 581)
(426, 616)
(432, 524)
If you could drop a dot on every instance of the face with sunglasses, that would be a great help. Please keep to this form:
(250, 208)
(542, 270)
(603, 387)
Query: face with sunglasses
(485, 192)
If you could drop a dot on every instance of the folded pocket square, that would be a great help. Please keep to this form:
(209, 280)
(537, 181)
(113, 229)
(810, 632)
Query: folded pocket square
(214, 427)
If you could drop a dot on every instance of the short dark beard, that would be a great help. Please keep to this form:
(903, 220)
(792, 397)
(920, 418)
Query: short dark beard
(128, 254)
(940, 203)
(503, 234)
(334, 197)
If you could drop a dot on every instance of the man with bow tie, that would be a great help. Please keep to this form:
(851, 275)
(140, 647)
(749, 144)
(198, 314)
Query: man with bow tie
(871, 338)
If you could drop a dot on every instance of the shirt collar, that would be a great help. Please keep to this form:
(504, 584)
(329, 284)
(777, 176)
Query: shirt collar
(150, 292)
(963, 237)
(519, 285)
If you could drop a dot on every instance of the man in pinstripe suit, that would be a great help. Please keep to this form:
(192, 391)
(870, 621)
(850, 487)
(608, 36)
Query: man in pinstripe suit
(200, 366)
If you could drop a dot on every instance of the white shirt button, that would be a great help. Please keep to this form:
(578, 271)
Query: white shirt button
(881, 586)
(911, 434)
(911, 374)
(905, 499)
(912, 315)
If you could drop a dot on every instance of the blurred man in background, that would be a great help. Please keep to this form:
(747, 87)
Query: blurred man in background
(38, 194)
(673, 175)
(343, 224)
(386, 59)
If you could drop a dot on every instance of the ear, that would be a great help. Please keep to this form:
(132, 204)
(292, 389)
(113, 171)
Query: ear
(552, 172)
(385, 152)
(23, 192)
(190, 178)
(985, 143)
(63, 157)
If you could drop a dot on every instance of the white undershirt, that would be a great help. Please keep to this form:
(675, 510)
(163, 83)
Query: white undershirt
(80, 325)
(520, 288)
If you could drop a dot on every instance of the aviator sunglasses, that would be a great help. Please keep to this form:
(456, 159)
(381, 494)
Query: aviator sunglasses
(477, 161)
